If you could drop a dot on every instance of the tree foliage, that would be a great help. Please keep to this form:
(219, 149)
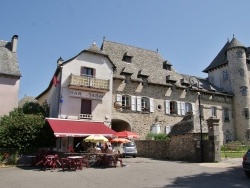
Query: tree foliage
(25, 128)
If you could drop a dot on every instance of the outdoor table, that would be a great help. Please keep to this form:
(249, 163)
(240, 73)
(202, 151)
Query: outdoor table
(75, 162)
(49, 161)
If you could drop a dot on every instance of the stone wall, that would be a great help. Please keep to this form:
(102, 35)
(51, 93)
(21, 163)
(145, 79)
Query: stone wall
(179, 148)
(141, 123)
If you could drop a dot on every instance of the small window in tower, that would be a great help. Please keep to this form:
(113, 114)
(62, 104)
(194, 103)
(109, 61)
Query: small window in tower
(243, 90)
(225, 75)
(246, 113)
(214, 111)
(226, 114)
(241, 71)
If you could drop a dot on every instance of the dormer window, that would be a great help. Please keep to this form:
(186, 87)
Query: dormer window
(170, 80)
(127, 57)
(167, 65)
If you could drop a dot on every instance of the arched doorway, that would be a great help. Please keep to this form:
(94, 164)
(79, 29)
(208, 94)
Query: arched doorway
(120, 125)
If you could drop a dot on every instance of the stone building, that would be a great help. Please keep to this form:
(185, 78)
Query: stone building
(154, 96)
(229, 71)
(145, 94)
(9, 76)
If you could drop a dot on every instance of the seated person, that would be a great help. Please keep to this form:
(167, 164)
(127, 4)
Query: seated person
(97, 149)
(109, 149)
(91, 149)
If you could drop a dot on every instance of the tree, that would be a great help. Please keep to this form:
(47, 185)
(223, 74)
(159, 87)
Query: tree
(25, 128)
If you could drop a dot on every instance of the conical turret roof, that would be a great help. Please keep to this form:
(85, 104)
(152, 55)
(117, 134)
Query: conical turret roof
(235, 44)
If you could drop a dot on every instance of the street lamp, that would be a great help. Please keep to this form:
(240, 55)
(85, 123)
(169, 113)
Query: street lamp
(193, 81)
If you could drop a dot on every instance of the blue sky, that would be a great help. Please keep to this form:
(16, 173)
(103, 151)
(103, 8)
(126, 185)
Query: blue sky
(189, 34)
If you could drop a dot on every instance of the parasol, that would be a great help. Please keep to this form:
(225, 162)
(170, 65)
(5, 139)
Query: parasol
(96, 138)
(126, 134)
(121, 140)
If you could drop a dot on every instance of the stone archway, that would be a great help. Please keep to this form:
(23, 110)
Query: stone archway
(120, 125)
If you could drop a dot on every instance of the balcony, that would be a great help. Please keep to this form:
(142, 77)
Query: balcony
(88, 83)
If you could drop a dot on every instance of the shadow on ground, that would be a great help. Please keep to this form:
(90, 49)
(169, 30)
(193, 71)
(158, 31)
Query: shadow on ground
(233, 177)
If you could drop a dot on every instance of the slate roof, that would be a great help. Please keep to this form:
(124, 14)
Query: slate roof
(221, 58)
(144, 63)
(8, 61)
(149, 64)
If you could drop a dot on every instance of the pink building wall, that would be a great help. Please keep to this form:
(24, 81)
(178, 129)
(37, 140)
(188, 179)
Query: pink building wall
(9, 88)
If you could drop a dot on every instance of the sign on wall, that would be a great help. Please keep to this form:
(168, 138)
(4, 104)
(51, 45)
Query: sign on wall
(86, 95)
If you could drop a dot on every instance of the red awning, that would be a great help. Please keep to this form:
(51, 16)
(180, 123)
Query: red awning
(76, 128)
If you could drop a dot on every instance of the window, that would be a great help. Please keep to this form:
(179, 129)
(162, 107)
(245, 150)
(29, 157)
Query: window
(167, 65)
(214, 111)
(225, 75)
(228, 135)
(145, 104)
(243, 90)
(241, 71)
(173, 107)
(188, 108)
(226, 114)
(248, 135)
(179, 107)
(126, 102)
(86, 71)
(127, 57)
(246, 113)
(86, 106)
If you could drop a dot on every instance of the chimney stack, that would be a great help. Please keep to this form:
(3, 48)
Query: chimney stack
(59, 62)
(14, 43)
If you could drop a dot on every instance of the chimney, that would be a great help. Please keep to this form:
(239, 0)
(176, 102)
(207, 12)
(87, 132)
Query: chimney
(59, 62)
(14, 43)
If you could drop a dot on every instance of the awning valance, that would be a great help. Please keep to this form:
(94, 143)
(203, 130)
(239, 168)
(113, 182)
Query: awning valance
(77, 128)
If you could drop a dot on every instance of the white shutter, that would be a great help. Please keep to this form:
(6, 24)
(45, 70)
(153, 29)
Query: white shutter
(183, 109)
(167, 107)
(151, 103)
(133, 103)
(167, 130)
(178, 107)
(138, 103)
(119, 98)
(194, 109)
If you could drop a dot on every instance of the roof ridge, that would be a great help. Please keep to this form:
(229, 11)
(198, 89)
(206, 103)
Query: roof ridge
(131, 46)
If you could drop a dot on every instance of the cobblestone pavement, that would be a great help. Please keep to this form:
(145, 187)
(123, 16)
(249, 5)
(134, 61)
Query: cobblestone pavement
(138, 173)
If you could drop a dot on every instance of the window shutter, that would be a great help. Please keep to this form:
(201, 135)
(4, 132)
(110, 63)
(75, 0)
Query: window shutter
(119, 98)
(167, 107)
(178, 107)
(183, 109)
(133, 103)
(81, 70)
(138, 103)
(94, 73)
(193, 108)
(151, 103)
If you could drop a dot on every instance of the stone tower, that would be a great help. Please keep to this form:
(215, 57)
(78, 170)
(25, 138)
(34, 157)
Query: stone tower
(238, 73)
